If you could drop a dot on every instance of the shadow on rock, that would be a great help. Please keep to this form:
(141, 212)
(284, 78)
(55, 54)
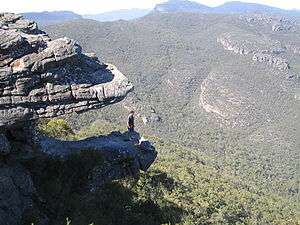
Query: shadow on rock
(124, 154)
(63, 185)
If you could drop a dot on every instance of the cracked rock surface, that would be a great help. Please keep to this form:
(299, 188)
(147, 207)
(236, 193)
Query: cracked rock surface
(40, 77)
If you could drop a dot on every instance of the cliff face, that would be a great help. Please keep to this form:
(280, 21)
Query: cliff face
(44, 78)
(263, 50)
(47, 78)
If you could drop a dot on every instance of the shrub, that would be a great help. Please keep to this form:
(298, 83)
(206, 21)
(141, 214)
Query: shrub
(57, 128)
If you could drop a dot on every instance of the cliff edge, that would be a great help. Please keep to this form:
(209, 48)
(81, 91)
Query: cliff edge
(44, 78)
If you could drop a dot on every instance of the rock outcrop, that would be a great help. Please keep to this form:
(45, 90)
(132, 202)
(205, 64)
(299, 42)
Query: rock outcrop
(294, 48)
(238, 47)
(40, 77)
(44, 78)
(277, 62)
(247, 44)
(275, 22)
(230, 106)
(263, 48)
(125, 154)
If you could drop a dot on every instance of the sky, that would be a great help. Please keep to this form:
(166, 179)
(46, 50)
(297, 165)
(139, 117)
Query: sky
(98, 6)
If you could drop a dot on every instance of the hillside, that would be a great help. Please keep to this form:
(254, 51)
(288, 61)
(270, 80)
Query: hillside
(171, 6)
(181, 6)
(244, 7)
(125, 14)
(234, 7)
(47, 18)
(223, 84)
(166, 194)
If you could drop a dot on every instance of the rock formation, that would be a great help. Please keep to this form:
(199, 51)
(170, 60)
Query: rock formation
(263, 49)
(235, 46)
(230, 106)
(294, 48)
(44, 78)
(276, 62)
(275, 22)
(252, 45)
(116, 148)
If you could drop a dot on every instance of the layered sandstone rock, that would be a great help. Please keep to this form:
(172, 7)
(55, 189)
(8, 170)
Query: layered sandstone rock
(40, 77)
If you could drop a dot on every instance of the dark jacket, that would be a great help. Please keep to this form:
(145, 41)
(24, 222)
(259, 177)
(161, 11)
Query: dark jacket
(131, 121)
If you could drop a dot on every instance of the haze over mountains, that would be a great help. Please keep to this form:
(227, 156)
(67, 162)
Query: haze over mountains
(228, 7)
(46, 18)
(234, 7)
(124, 14)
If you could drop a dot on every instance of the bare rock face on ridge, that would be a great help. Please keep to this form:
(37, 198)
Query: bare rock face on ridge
(40, 77)
(247, 44)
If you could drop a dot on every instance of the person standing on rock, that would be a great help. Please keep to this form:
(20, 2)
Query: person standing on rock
(130, 123)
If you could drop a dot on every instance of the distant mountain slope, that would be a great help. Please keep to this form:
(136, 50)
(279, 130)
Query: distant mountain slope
(124, 14)
(181, 6)
(244, 7)
(228, 7)
(234, 7)
(47, 18)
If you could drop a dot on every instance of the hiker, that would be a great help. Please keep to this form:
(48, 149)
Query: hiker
(131, 121)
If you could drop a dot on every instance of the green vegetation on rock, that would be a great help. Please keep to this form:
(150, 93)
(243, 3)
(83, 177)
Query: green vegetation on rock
(57, 128)
(182, 187)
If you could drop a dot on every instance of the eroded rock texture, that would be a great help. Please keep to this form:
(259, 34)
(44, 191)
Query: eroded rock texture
(261, 49)
(40, 77)
(275, 22)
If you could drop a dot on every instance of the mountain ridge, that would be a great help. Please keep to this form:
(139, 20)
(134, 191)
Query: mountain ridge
(228, 7)
(232, 7)
(51, 17)
(123, 14)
